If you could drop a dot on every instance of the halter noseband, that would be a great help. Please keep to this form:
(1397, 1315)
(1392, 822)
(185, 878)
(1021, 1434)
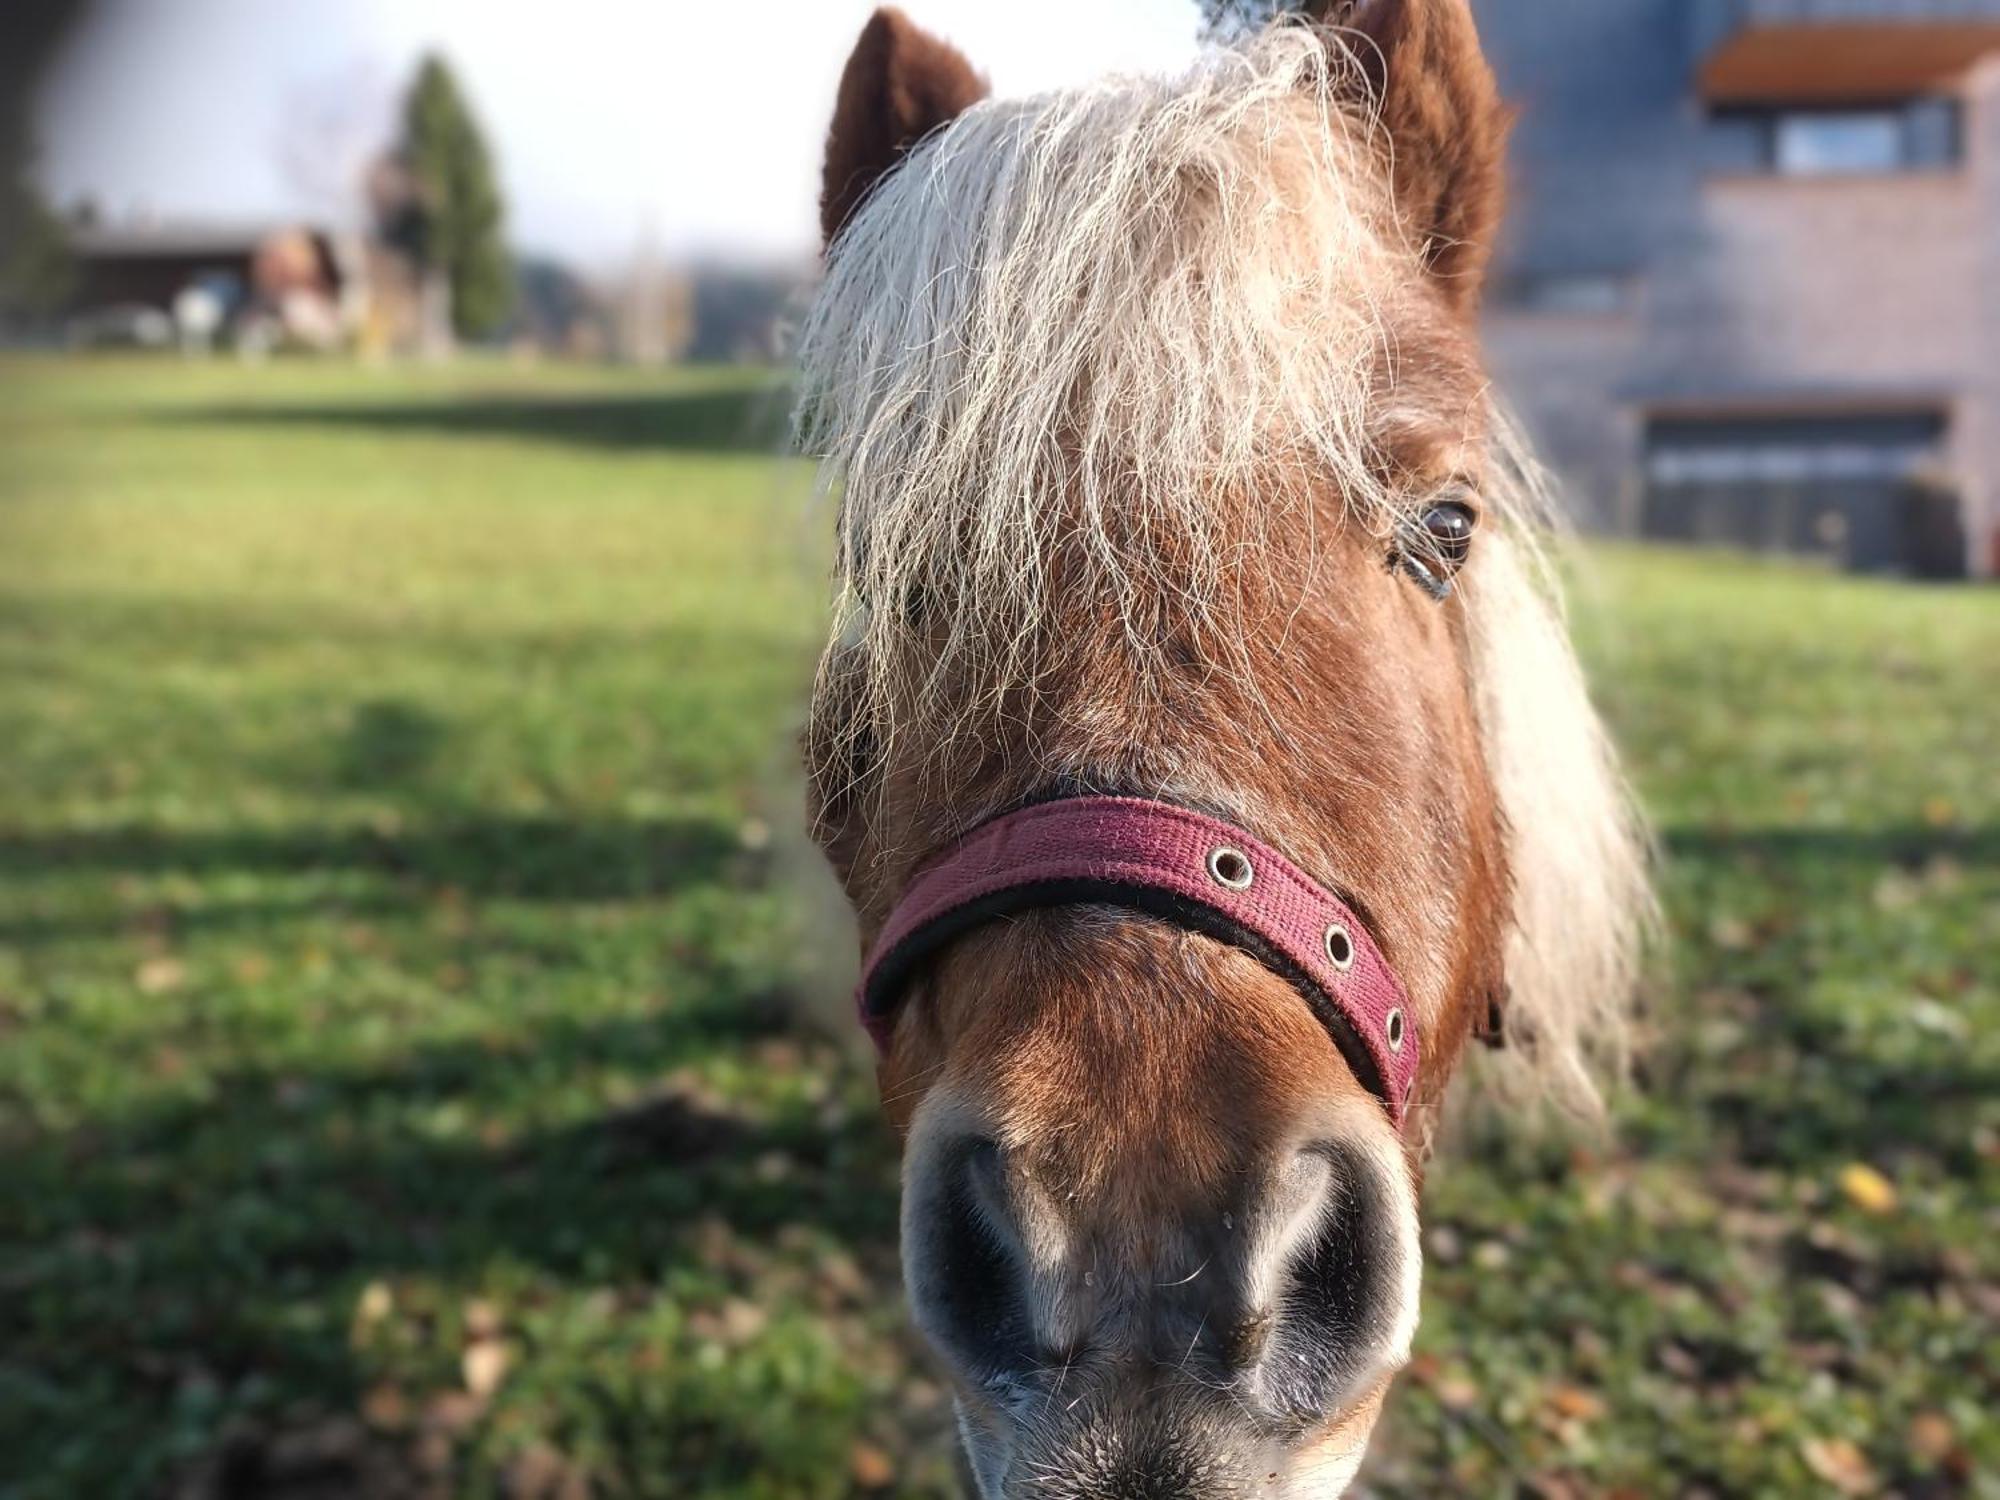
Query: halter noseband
(1192, 870)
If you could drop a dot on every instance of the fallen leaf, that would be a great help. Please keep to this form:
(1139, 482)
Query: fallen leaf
(451, 1413)
(1896, 892)
(1458, 1393)
(1576, 1403)
(1732, 933)
(485, 1365)
(385, 1407)
(539, 1472)
(1677, 1360)
(1841, 1464)
(1867, 1189)
(742, 1321)
(158, 975)
(432, 1453)
(375, 1303)
(1986, 1141)
(844, 1276)
(1932, 1436)
(482, 1319)
(871, 1467)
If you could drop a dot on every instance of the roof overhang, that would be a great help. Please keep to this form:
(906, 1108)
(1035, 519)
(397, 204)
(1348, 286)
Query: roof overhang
(1845, 62)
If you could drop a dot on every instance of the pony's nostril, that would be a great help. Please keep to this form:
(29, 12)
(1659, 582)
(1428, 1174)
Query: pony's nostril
(1341, 1316)
(972, 1163)
(962, 1258)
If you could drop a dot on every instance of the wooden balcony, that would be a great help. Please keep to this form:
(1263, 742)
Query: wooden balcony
(1838, 51)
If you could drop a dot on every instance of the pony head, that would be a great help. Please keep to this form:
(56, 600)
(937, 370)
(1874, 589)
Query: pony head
(1166, 469)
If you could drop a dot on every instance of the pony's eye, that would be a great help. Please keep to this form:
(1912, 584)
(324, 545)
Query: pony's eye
(1432, 546)
(1450, 524)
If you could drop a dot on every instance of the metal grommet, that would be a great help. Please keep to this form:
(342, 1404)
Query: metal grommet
(1392, 1024)
(1339, 948)
(1231, 868)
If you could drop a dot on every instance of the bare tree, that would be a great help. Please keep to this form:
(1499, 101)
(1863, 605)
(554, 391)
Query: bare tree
(331, 132)
(1227, 18)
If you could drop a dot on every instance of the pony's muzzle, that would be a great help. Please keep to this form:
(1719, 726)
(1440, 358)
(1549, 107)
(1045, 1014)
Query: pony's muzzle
(1197, 1352)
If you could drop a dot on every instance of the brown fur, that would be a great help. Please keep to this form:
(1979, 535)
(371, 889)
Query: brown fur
(1095, 1041)
(1441, 111)
(1373, 775)
(1368, 768)
(900, 84)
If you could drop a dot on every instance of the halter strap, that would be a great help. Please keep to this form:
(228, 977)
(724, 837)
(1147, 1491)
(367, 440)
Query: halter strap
(1184, 867)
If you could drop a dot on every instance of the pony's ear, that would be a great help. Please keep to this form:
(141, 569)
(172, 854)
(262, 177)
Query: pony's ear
(1442, 118)
(900, 85)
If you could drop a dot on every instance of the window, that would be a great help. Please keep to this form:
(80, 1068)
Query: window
(1720, 458)
(1846, 486)
(1790, 141)
(1792, 450)
(1822, 145)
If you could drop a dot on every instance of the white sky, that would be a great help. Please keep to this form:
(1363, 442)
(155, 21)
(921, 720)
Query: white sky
(694, 124)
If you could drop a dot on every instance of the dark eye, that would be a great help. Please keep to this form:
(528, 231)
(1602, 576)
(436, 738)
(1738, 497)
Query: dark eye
(1433, 546)
(1450, 524)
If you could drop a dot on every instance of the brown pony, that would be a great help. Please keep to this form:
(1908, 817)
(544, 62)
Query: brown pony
(1166, 469)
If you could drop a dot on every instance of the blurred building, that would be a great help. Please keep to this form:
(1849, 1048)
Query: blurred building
(1751, 293)
(286, 283)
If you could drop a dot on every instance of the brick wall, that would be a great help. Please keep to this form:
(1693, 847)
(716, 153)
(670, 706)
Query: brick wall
(1822, 293)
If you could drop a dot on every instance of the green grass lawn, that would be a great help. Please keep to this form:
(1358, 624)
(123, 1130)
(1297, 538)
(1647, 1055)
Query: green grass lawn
(403, 1080)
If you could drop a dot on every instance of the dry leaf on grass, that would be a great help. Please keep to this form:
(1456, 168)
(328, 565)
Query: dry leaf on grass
(871, 1467)
(1867, 1189)
(485, 1366)
(1841, 1464)
(158, 975)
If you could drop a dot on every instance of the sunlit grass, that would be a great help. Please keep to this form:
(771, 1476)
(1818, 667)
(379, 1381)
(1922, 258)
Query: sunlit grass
(400, 1079)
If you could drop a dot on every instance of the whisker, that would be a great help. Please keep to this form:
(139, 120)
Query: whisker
(1187, 1278)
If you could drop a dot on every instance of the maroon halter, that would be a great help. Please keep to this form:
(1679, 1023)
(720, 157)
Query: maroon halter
(1195, 871)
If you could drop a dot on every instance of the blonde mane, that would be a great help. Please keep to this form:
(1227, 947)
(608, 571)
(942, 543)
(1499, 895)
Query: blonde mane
(1094, 326)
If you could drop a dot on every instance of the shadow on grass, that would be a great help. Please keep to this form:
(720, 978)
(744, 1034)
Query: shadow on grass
(734, 420)
(532, 858)
(388, 743)
(614, 1198)
(1818, 848)
(1844, 1102)
(553, 859)
(179, 1240)
(1854, 1086)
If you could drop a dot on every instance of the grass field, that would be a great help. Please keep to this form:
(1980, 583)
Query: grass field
(403, 1084)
